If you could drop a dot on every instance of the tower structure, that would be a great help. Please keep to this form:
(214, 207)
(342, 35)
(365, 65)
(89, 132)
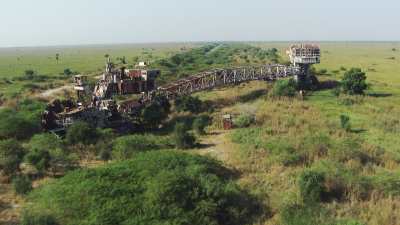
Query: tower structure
(303, 56)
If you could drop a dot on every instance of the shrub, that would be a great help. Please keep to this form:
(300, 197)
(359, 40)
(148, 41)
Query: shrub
(244, 120)
(11, 155)
(345, 122)
(39, 158)
(19, 125)
(163, 187)
(29, 74)
(354, 82)
(183, 139)
(287, 88)
(349, 222)
(128, 146)
(68, 72)
(153, 114)
(22, 185)
(296, 214)
(38, 219)
(200, 123)
(322, 71)
(311, 186)
(188, 103)
(45, 141)
(81, 133)
(46, 152)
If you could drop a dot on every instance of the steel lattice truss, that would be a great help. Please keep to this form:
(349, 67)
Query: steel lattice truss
(222, 77)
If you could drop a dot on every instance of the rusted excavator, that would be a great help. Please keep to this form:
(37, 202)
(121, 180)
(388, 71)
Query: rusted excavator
(96, 105)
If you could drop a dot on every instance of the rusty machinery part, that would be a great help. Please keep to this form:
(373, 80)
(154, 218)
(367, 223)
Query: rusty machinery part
(222, 77)
(124, 81)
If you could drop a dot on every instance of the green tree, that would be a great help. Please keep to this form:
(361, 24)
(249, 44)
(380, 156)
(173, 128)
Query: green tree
(345, 122)
(29, 74)
(183, 139)
(20, 125)
(57, 57)
(47, 153)
(39, 158)
(126, 147)
(156, 187)
(81, 133)
(188, 103)
(311, 186)
(244, 120)
(287, 88)
(153, 114)
(38, 219)
(22, 185)
(200, 123)
(354, 82)
(68, 72)
(11, 155)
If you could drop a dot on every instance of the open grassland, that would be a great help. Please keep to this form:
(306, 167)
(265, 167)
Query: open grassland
(87, 60)
(355, 172)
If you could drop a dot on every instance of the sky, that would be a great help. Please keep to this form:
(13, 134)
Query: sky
(75, 22)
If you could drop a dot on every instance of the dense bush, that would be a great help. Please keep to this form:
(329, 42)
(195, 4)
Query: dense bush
(127, 147)
(287, 88)
(47, 153)
(153, 114)
(18, 124)
(211, 56)
(81, 133)
(345, 122)
(183, 139)
(244, 120)
(38, 219)
(22, 185)
(188, 103)
(354, 82)
(296, 214)
(11, 155)
(311, 186)
(155, 188)
(200, 123)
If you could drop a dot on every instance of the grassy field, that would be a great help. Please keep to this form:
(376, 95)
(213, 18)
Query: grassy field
(88, 60)
(288, 137)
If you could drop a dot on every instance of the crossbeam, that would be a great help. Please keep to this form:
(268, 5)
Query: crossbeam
(222, 77)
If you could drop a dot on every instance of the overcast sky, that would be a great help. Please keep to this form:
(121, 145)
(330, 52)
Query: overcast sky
(70, 22)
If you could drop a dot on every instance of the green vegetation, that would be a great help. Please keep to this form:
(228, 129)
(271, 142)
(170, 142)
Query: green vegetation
(244, 120)
(81, 133)
(345, 122)
(127, 147)
(334, 170)
(188, 103)
(183, 139)
(22, 121)
(213, 56)
(22, 185)
(46, 152)
(152, 115)
(11, 155)
(284, 88)
(200, 123)
(354, 82)
(311, 185)
(155, 188)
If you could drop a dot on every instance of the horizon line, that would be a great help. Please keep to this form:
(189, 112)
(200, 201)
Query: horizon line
(195, 42)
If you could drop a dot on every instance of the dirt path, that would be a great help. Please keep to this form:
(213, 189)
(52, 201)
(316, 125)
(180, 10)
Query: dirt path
(51, 92)
(216, 145)
(10, 205)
